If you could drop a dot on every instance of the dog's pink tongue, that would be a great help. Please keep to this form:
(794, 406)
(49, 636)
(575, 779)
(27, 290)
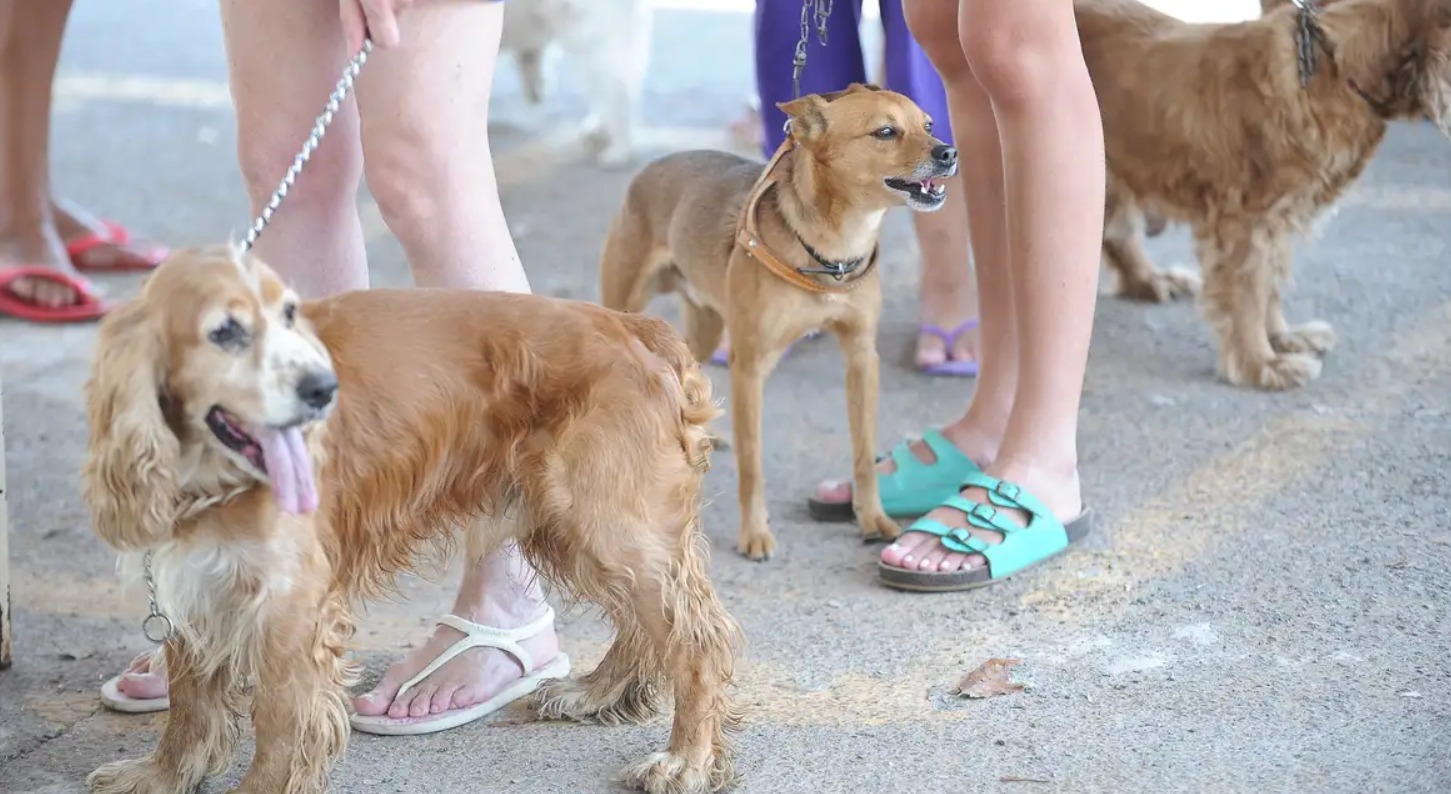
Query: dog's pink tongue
(290, 470)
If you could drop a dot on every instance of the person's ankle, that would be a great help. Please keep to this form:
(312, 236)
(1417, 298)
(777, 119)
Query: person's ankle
(1052, 479)
(509, 611)
(975, 438)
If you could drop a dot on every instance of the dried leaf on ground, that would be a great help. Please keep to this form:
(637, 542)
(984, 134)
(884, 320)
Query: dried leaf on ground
(990, 679)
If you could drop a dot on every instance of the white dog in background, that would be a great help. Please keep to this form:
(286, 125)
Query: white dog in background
(607, 43)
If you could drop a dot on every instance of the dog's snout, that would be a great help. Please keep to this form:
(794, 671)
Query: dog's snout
(945, 155)
(316, 388)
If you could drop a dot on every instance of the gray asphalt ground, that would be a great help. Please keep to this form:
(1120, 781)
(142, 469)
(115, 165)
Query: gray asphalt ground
(1264, 607)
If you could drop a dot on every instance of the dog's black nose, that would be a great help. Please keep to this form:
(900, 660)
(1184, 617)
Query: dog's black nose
(945, 155)
(317, 388)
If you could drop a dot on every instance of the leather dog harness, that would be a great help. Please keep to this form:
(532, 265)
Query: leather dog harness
(748, 237)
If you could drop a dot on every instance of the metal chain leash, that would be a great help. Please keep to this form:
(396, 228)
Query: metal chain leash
(157, 626)
(335, 100)
(819, 11)
(1307, 35)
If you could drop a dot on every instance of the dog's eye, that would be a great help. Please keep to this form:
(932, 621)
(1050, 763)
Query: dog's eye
(229, 335)
(928, 127)
(289, 314)
(885, 133)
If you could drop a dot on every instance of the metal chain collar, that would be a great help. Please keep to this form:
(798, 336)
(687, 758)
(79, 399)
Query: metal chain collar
(157, 626)
(820, 10)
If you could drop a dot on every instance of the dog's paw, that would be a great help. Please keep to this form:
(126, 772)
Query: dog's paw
(1279, 373)
(1163, 286)
(136, 776)
(757, 546)
(1315, 337)
(669, 773)
(877, 525)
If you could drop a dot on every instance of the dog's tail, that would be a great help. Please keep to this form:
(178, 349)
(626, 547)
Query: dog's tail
(697, 406)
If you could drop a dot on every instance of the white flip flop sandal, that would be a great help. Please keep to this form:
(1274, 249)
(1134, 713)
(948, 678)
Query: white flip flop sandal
(114, 699)
(475, 636)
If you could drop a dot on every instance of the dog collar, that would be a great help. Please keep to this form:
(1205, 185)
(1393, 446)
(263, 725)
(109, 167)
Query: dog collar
(749, 239)
(837, 270)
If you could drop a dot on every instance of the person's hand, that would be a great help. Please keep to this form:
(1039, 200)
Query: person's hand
(376, 18)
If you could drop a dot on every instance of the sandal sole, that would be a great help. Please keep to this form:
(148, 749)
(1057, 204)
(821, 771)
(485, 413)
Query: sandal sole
(830, 511)
(975, 578)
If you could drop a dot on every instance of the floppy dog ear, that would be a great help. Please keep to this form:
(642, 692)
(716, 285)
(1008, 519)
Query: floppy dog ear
(130, 479)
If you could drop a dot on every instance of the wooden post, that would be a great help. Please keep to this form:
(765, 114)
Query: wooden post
(4, 547)
(5, 550)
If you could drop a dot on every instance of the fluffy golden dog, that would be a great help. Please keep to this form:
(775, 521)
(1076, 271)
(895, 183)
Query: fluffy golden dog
(282, 460)
(771, 253)
(1210, 125)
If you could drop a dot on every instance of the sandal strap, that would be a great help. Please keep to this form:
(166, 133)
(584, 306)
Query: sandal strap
(1043, 536)
(949, 337)
(477, 635)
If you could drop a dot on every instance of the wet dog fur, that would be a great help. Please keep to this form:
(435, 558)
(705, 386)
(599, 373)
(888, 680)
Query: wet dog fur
(459, 417)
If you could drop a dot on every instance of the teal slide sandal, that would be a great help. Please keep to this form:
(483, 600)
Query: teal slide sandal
(1022, 547)
(915, 487)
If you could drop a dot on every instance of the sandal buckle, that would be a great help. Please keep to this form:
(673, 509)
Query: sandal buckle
(1008, 490)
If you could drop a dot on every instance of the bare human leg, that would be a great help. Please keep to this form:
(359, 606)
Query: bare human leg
(316, 241)
(426, 151)
(1028, 74)
(947, 294)
(980, 210)
(30, 38)
(35, 226)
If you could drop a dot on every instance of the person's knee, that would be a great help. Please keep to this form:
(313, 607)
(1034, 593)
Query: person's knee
(1017, 57)
(410, 179)
(266, 149)
(933, 25)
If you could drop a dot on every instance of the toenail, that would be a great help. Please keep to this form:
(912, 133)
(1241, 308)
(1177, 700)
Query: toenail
(906, 559)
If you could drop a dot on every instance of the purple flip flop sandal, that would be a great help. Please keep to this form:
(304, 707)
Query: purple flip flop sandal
(955, 367)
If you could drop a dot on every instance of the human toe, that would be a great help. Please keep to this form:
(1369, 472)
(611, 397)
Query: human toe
(907, 549)
(142, 686)
(443, 699)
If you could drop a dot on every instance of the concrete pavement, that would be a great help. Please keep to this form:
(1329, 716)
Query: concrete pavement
(1264, 608)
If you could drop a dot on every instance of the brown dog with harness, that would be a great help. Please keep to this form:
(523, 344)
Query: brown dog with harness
(770, 254)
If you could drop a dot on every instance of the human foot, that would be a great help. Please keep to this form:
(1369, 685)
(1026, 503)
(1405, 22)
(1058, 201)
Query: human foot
(994, 527)
(913, 478)
(942, 351)
(140, 687)
(510, 657)
(96, 245)
(34, 246)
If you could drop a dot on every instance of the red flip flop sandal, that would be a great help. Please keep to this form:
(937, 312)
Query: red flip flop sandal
(88, 308)
(117, 235)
